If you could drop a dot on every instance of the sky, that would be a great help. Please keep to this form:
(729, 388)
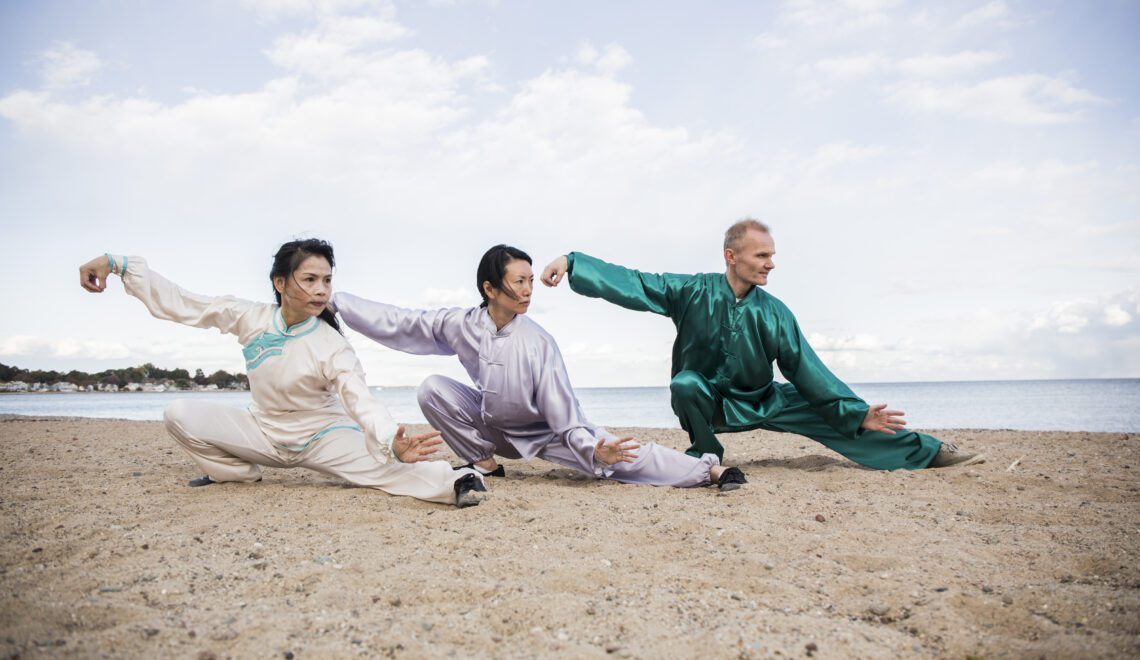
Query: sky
(953, 187)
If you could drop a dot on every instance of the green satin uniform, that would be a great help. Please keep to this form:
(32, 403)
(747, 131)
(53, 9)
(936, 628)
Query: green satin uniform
(723, 379)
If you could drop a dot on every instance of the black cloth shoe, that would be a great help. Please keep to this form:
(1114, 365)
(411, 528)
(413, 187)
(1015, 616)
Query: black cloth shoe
(497, 472)
(205, 480)
(469, 491)
(731, 479)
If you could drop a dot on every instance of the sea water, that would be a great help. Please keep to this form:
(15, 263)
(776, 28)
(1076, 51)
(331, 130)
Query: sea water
(1038, 405)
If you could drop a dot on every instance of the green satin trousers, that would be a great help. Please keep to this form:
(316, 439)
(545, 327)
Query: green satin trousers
(699, 407)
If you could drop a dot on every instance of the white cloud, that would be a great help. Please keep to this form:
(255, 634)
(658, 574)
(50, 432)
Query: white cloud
(1024, 99)
(770, 41)
(1048, 172)
(990, 12)
(289, 8)
(66, 65)
(608, 61)
(434, 298)
(66, 347)
(990, 232)
(852, 66)
(1116, 316)
(946, 65)
(1109, 229)
(830, 156)
(826, 18)
(923, 66)
(858, 343)
(361, 104)
(1107, 313)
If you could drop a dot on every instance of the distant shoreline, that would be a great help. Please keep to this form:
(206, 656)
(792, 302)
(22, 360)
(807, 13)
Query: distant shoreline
(666, 385)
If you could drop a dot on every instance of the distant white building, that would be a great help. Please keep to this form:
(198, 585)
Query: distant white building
(108, 387)
(14, 386)
(153, 387)
(64, 387)
(132, 387)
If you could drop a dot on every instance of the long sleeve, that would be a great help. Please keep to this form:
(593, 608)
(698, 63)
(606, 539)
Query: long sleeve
(166, 300)
(347, 375)
(632, 289)
(828, 395)
(421, 332)
(555, 400)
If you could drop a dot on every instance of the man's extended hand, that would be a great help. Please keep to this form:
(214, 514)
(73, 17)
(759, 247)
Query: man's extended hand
(614, 451)
(416, 448)
(555, 271)
(885, 421)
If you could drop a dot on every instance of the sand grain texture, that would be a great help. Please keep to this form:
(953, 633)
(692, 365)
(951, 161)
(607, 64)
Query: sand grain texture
(107, 553)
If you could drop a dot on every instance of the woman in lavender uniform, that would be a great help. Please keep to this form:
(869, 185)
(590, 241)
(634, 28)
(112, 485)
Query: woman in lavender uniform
(522, 405)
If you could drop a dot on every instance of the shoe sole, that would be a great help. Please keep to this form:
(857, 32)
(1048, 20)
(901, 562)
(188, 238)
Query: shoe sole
(725, 488)
(470, 498)
(973, 460)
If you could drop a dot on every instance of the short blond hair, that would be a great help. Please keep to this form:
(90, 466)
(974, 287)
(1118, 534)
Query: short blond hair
(739, 229)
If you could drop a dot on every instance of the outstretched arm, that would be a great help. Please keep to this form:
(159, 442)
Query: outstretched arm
(383, 438)
(423, 332)
(632, 289)
(555, 399)
(163, 298)
(828, 395)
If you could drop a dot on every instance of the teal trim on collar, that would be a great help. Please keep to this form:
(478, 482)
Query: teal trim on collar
(291, 331)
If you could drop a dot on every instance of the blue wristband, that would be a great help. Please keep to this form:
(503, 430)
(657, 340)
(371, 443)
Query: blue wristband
(110, 262)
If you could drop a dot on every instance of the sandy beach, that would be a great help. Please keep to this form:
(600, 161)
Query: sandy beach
(106, 552)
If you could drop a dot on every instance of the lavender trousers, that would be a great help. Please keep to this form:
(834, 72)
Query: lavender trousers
(455, 410)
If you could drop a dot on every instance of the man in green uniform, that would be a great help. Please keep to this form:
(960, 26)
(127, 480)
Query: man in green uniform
(729, 332)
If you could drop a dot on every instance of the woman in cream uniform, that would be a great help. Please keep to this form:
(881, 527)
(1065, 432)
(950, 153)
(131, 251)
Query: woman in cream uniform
(311, 406)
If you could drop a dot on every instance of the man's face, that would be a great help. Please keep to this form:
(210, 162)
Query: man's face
(752, 261)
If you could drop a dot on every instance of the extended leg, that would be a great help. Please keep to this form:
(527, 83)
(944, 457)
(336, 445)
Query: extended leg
(663, 466)
(655, 465)
(454, 409)
(342, 453)
(224, 441)
(695, 402)
(905, 450)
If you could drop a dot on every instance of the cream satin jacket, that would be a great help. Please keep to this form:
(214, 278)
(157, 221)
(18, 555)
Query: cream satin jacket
(305, 380)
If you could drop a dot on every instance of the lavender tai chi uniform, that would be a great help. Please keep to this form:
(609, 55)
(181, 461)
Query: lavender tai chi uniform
(522, 405)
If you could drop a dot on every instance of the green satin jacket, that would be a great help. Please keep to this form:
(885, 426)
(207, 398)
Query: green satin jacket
(732, 344)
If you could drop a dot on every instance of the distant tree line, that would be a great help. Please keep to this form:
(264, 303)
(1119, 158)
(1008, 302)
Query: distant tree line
(146, 373)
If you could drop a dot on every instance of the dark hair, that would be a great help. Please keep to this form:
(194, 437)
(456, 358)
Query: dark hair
(493, 266)
(289, 257)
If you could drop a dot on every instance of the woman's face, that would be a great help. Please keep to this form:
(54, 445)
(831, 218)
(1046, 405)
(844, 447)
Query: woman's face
(307, 290)
(519, 280)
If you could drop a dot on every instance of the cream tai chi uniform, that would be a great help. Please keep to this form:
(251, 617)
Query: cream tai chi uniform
(311, 406)
(522, 405)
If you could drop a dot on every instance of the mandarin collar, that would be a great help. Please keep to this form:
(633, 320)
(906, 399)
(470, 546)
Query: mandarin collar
(489, 323)
(295, 329)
